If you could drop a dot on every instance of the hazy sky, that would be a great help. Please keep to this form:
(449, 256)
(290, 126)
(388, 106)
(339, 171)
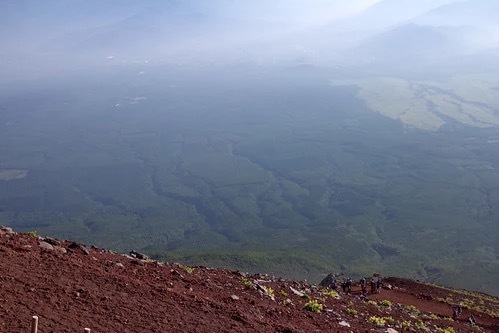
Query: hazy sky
(305, 11)
(36, 36)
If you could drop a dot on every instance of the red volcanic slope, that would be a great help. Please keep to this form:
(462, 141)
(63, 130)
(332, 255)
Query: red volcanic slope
(70, 287)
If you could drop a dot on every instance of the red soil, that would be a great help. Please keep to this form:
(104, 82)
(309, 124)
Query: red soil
(71, 287)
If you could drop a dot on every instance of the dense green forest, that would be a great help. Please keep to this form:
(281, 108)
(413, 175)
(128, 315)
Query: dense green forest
(274, 170)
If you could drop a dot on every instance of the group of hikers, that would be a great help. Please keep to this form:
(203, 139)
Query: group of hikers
(375, 282)
(347, 283)
(456, 313)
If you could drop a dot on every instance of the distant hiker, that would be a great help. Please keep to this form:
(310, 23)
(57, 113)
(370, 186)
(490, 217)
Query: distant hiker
(363, 285)
(378, 285)
(349, 283)
(455, 312)
(334, 286)
(373, 286)
(375, 283)
(344, 286)
(471, 319)
(363, 289)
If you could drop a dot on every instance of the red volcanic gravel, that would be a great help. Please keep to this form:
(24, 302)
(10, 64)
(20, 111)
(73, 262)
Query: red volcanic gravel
(70, 286)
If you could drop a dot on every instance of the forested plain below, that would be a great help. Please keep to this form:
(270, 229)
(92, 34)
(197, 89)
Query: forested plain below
(290, 171)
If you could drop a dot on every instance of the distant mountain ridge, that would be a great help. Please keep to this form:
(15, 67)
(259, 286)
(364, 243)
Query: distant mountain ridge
(223, 31)
(388, 13)
(462, 13)
(452, 30)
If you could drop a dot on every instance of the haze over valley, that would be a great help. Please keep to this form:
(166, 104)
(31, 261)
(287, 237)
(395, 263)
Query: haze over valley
(294, 138)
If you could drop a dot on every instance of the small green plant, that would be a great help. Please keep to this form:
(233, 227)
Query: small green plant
(351, 311)
(32, 233)
(446, 330)
(283, 293)
(466, 303)
(385, 303)
(372, 303)
(186, 269)
(314, 306)
(269, 291)
(389, 320)
(412, 309)
(246, 283)
(406, 324)
(330, 293)
(430, 316)
(378, 321)
(420, 325)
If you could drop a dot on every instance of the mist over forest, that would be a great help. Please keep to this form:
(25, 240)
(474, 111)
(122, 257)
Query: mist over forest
(287, 137)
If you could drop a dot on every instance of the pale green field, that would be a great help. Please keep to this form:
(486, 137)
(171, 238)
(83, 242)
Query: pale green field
(467, 99)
